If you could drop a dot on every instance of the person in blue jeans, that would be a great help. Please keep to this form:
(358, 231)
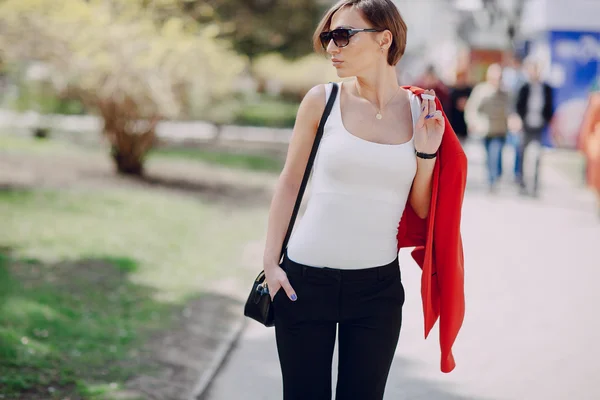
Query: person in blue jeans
(513, 78)
(486, 114)
(494, 145)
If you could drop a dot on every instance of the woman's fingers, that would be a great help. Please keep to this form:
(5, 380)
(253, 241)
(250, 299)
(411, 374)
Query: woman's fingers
(430, 103)
(438, 116)
(428, 109)
(273, 289)
(424, 112)
(285, 285)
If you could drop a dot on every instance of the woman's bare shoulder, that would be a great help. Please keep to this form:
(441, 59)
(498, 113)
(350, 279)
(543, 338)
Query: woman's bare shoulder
(313, 103)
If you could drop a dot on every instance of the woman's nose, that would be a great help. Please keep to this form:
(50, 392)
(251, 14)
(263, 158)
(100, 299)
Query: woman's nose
(332, 48)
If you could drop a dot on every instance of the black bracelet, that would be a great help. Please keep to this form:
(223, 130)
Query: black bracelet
(426, 156)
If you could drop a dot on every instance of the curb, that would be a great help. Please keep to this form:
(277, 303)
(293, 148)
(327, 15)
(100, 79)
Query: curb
(224, 349)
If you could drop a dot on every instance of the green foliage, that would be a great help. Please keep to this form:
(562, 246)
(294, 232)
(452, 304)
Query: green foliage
(132, 61)
(119, 52)
(268, 112)
(294, 78)
(43, 99)
(256, 27)
(220, 111)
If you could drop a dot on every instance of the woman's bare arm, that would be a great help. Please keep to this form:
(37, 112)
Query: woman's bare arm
(420, 193)
(286, 190)
(429, 130)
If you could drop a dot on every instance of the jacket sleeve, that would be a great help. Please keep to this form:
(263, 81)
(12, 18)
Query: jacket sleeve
(412, 229)
(448, 254)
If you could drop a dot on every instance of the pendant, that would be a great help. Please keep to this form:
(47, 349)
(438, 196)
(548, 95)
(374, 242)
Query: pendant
(379, 116)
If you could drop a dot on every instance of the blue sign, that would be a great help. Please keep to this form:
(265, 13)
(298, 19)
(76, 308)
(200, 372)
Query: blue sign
(575, 59)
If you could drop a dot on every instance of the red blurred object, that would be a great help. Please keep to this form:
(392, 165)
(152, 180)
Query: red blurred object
(589, 140)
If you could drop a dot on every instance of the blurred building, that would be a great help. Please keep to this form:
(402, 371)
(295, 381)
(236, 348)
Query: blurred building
(565, 36)
(456, 35)
(430, 40)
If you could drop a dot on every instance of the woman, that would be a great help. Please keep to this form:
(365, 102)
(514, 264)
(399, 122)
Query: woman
(377, 154)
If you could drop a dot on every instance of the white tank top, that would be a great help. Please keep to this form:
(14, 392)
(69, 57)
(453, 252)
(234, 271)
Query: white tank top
(359, 190)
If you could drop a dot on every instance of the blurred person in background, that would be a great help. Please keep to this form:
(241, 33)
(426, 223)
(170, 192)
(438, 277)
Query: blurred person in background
(513, 78)
(486, 113)
(431, 80)
(459, 94)
(534, 107)
(374, 167)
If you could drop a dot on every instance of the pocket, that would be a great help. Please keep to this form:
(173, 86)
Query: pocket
(281, 291)
(393, 288)
(400, 291)
(277, 293)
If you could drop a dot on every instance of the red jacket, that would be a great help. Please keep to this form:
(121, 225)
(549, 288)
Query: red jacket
(438, 244)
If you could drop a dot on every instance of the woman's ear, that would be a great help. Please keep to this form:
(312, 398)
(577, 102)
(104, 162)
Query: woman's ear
(385, 41)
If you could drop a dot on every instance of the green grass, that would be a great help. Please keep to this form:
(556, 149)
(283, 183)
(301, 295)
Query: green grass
(252, 162)
(243, 161)
(71, 327)
(180, 242)
(25, 143)
(86, 274)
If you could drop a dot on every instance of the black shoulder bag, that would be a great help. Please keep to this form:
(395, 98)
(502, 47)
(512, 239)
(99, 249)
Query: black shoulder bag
(258, 306)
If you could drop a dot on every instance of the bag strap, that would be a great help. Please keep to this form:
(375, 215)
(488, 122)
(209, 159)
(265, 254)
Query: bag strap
(309, 165)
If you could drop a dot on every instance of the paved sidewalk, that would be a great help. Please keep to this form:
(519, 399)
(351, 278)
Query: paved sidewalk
(532, 273)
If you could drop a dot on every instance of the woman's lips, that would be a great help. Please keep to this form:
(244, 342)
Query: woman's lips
(336, 62)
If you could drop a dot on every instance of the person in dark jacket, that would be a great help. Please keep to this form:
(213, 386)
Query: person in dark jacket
(535, 109)
(459, 94)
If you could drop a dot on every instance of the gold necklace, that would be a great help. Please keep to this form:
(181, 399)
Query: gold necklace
(379, 115)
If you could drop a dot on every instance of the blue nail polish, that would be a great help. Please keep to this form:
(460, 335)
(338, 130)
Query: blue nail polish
(294, 297)
(428, 116)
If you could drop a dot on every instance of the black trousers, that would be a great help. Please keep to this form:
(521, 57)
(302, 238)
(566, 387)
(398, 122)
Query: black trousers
(366, 307)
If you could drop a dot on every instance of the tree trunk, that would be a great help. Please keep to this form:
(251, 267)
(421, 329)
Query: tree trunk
(126, 163)
(130, 136)
(129, 150)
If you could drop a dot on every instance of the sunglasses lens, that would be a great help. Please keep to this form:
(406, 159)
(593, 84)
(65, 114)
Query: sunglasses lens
(340, 37)
(325, 39)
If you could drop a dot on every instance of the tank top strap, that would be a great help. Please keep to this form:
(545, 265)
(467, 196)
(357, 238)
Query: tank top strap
(334, 121)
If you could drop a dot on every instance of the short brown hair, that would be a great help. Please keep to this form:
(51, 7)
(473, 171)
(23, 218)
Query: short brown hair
(382, 14)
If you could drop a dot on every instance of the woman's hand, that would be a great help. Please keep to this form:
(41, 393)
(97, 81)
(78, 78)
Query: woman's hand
(429, 127)
(277, 279)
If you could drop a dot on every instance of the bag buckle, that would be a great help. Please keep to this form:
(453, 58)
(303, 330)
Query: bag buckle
(262, 288)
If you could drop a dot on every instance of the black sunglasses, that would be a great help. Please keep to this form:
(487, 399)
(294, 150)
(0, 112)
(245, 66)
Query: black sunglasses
(341, 36)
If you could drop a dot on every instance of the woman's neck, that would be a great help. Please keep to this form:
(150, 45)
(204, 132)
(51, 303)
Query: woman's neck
(378, 88)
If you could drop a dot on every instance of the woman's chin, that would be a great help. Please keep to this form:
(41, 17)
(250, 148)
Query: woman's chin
(341, 73)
